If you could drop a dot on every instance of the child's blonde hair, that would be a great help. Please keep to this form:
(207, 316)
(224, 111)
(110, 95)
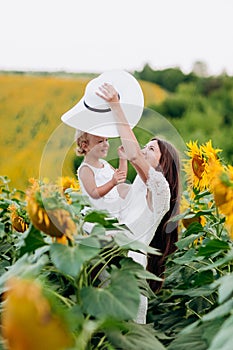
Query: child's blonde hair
(80, 137)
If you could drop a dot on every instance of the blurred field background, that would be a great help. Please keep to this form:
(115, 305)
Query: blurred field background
(34, 142)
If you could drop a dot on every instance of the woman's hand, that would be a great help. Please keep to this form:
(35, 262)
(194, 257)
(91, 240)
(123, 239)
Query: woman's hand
(108, 93)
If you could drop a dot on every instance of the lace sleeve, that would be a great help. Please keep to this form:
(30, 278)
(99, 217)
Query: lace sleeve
(159, 188)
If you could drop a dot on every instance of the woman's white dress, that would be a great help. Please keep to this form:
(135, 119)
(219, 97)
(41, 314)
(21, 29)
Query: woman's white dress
(134, 211)
(142, 221)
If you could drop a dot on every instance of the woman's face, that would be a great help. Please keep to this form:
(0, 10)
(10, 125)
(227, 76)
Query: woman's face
(152, 153)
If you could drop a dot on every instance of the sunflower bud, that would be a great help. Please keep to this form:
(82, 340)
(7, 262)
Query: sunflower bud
(28, 321)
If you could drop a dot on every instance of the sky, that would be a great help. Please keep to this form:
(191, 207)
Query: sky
(98, 35)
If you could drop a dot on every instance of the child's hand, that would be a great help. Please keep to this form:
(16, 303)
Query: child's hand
(121, 152)
(119, 177)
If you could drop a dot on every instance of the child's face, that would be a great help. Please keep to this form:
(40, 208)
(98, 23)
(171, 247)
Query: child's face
(97, 145)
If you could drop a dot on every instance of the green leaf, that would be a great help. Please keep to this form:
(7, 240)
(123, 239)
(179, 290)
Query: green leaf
(225, 288)
(98, 230)
(188, 256)
(228, 257)
(189, 214)
(120, 300)
(26, 266)
(2, 229)
(78, 198)
(130, 243)
(202, 278)
(5, 204)
(199, 213)
(89, 241)
(83, 337)
(180, 216)
(202, 194)
(128, 264)
(69, 260)
(194, 227)
(200, 305)
(185, 242)
(212, 246)
(197, 337)
(135, 337)
(195, 292)
(75, 208)
(219, 311)
(224, 338)
(33, 241)
(101, 217)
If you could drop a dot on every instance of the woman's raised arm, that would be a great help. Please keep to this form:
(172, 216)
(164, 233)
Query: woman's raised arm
(128, 139)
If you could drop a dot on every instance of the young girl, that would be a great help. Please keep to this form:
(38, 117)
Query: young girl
(103, 184)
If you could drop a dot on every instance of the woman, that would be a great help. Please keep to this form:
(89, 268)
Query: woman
(154, 195)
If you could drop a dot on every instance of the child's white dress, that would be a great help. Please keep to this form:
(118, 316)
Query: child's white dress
(111, 201)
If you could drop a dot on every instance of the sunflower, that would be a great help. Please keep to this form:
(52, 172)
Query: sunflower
(197, 167)
(28, 321)
(222, 188)
(18, 218)
(213, 160)
(209, 151)
(47, 209)
(66, 182)
(217, 187)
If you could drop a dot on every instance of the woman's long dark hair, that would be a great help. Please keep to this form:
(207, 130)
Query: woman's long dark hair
(166, 234)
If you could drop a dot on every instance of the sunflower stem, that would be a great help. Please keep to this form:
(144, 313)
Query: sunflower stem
(104, 256)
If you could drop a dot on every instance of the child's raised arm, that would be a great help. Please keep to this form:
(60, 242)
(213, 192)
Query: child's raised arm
(123, 162)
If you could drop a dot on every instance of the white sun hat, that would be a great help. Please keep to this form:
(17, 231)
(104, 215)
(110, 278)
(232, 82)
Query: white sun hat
(93, 115)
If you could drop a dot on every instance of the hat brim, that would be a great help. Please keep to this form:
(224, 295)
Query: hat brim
(103, 123)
